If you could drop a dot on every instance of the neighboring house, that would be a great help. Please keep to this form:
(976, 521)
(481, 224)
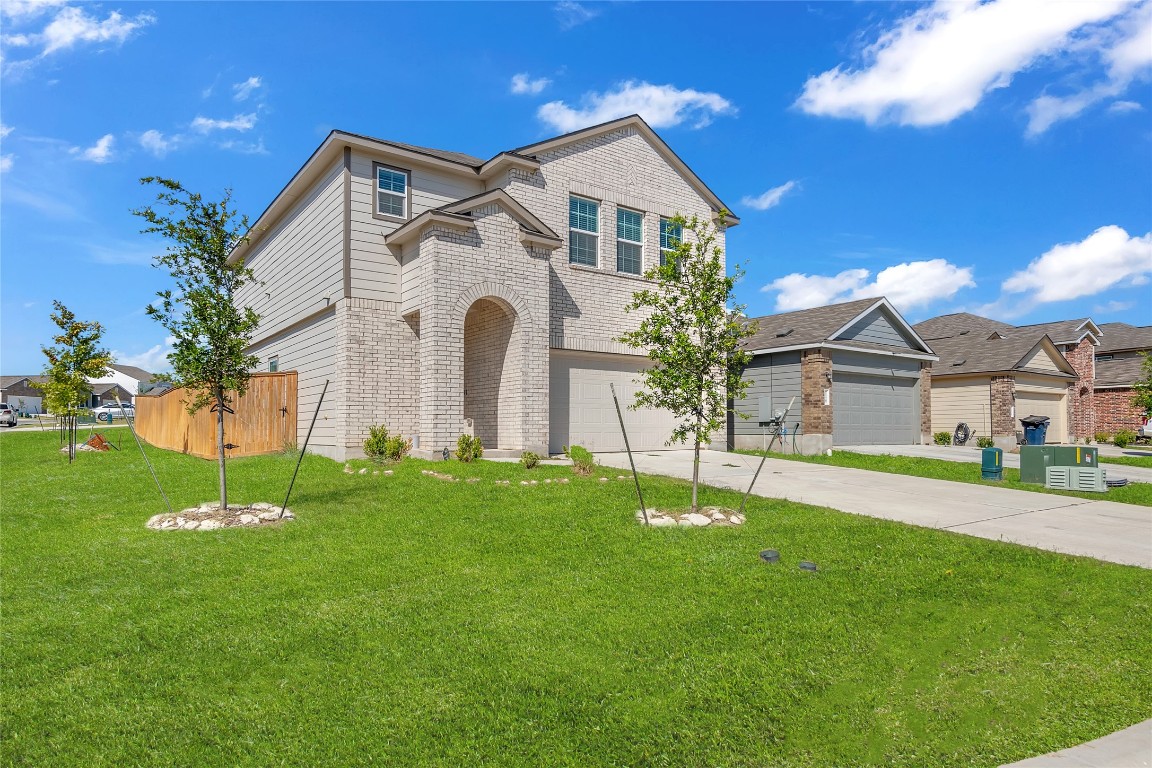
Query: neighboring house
(128, 377)
(1118, 367)
(19, 393)
(441, 294)
(856, 374)
(991, 374)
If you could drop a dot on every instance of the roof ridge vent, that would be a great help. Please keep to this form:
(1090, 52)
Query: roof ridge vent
(960, 362)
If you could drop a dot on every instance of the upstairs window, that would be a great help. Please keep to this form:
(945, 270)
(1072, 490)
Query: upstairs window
(583, 231)
(629, 241)
(391, 192)
(669, 239)
(273, 364)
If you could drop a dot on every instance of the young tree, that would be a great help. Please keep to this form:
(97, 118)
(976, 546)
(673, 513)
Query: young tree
(211, 333)
(692, 335)
(76, 358)
(1143, 386)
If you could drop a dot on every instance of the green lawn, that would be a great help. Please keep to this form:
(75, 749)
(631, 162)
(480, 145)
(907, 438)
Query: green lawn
(960, 472)
(407, 620)
(1130, 461)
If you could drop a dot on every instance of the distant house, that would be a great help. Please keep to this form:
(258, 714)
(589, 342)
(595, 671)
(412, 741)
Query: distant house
(19, 393)
(128, 377)
(1118, 366)
(991, 374)
(855, 373)
(120, 385)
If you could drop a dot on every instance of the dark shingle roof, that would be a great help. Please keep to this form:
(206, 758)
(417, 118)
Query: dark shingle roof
(443, 154)
(947, 326)
(1062, 331)
(130, 370)
(1118, 372)
(7, 381)
(974, 352)
(1117, 336)
(805, 326)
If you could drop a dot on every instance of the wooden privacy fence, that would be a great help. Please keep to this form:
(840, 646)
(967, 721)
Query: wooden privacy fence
(264, 420)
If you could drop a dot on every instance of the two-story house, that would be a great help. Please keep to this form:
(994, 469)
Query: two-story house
(443, 294)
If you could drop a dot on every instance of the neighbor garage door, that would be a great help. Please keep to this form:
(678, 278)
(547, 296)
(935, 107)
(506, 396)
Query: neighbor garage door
(1050, 404)
(874, 410)
(581, 408)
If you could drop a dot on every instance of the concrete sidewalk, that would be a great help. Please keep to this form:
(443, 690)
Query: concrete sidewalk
(970, 454)
(1119, 533)
(1106, 530)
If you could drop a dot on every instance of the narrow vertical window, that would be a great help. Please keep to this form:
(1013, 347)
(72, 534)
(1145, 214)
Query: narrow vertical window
(583, 231)
(669, 239)
(273, 364)
(391, 192)
(629, 241)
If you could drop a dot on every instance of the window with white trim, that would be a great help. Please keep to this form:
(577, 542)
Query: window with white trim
(670, 234)
(273, 364)
(629, 241)
(583, 231)
(391, 192)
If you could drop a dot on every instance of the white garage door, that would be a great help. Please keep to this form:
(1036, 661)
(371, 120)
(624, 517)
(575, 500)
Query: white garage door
(582, 412)
(874, 410)
(1050, 404)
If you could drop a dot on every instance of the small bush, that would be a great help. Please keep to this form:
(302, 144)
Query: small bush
(529, 460)
(984, 442)
(384, 447)
(1103, 437)
(469, 448)
(1123, 438)
(582, 461)
(942, 438)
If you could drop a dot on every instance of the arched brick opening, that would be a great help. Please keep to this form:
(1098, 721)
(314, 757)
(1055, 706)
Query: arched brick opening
(493, 373)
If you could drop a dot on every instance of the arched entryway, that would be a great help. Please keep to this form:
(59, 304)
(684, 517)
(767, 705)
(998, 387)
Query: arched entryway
(493, 373)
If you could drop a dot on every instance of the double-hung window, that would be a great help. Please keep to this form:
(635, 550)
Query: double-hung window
(583, 231)
(629, 241)
(391, 192)
(669, 239)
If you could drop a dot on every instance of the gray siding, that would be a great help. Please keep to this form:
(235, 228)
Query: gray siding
(776, 377)
(310, 350)
(299, 263)
(874, 365)
(876, 327)
(375, 269)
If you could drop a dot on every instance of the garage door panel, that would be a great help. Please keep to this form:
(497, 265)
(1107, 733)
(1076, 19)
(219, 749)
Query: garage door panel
(874, 410)
(581, 407)
(1047, 404)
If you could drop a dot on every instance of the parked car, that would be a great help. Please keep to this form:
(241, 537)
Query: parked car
(7, 415)
(110, 411)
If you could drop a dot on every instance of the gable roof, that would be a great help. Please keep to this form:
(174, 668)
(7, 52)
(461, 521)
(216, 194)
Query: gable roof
(1066, 331)
(458, 214)
(821, 327)
(132, 371)
(10, 381)
(946, 326)
(977, 353)
(1122, 336)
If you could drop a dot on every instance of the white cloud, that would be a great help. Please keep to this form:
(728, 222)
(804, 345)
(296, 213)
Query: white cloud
(662, 106)
(1106, 258)
(19, 10)
(521, 83)
(6, 162)
(72, 26)
(939, 62)
(155, 142)
(5, 130)
(1121, 107)
(572, 14)
(907, 285)
(769, 199)
(100, 152)
(154, 360)
(241, 91)
(245, 147)
(238, 123)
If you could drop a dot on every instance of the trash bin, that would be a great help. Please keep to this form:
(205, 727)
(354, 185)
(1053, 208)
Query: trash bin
(1035, 429)
(992, 464)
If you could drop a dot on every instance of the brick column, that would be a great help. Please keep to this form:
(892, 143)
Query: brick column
(1002, 395)
(925, 403)
(1081, 393)
(815, 388)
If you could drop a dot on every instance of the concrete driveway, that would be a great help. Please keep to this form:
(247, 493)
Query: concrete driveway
(969, 453)
(1106, 530)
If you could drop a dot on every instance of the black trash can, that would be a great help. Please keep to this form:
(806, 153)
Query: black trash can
(1035, 429)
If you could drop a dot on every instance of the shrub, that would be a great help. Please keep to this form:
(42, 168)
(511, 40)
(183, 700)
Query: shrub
(1122, 438)
(582, 461)
(382, 446)
(469, 448)
(1103, 437)
(529, 460)
(984, 442)
(942, 438)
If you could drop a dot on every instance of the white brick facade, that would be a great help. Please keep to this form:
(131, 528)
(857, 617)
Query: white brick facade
(480, 294)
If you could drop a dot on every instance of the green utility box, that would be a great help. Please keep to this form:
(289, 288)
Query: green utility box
(992, 464)
(1035, 460)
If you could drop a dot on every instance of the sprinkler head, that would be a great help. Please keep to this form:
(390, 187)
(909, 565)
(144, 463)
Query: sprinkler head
(770, 556)
(805, 565)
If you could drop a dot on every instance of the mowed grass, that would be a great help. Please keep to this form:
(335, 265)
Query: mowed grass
(960, 472)
(407, 620)
(1129, 461)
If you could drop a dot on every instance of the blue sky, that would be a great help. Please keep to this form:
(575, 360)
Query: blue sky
(992, 157)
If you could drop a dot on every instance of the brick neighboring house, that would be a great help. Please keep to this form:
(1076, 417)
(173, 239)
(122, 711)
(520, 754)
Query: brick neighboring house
(856, 374)
(991, 374)
(441, 294)
(1118, 366)
(19, 393)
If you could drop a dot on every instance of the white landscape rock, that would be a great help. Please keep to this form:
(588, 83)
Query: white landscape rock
(697, 519)
(738, 519)
(662, 522)
(247, 519)
(718, 516)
